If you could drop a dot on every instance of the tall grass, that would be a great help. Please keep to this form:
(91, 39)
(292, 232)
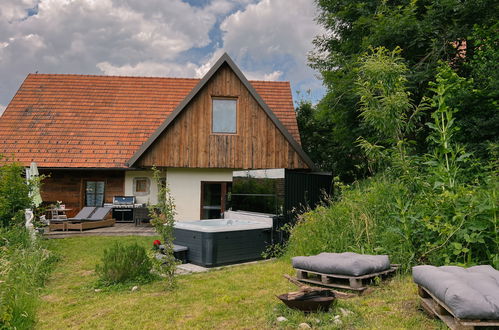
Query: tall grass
(24, 266)
(362, 221)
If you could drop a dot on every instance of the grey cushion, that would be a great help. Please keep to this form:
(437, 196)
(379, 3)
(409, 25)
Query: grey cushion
(470, 293)
(100, 213)
(347, 263)
(84, 213)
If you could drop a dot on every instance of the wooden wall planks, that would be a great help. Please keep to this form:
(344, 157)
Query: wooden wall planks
(188, 141)
(68, 186)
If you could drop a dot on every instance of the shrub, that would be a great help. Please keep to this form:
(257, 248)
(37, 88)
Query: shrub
(438, 208)
(123, 263)
(163, 220)
(14, 194)
(362, 221)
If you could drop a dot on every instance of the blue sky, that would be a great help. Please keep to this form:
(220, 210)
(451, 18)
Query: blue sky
(268, 39)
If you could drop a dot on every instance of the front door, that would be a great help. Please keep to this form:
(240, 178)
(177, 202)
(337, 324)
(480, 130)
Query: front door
(94, 193)
(213, 196)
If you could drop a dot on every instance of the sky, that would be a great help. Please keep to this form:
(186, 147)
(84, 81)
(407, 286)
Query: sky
(267, 39)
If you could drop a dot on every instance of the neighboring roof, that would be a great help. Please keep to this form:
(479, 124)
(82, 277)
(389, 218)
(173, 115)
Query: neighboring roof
(225, 59)
(83, 121)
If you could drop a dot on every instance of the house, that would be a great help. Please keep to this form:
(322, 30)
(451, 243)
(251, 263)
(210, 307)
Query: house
(99, 136)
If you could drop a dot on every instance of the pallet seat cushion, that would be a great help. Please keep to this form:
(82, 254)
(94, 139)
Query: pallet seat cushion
(347, 263)
(470, 293)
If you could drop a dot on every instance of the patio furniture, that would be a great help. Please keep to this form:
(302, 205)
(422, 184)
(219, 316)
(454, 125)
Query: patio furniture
(97, 219)
(57, 225)
(59, 222)
(346, 270)
(463, 298)
(83, 214)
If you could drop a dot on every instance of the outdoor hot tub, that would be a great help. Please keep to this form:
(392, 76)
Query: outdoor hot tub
(224, 241)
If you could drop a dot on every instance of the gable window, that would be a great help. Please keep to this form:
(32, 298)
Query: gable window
(140, 186)
(224, 114)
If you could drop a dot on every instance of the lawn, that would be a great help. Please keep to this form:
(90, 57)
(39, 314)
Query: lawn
(228, 298)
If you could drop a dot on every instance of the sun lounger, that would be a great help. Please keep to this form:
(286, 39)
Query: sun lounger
(463, 298)
(343, 270)
(61, 224)
(98, 218)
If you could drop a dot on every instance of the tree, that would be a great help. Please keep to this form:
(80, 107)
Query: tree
(461, 33)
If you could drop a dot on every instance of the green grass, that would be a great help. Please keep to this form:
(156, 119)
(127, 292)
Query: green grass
(232, 297)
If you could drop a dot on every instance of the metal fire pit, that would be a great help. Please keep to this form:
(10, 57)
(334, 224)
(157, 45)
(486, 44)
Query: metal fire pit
(314, 304)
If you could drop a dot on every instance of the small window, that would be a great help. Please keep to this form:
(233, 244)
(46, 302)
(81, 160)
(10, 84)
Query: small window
(140, 186)
(224, 116)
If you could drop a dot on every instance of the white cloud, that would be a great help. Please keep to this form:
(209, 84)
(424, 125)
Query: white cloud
(268, 40)
(150, 69)
(2, 109)
(255, 75)
(273, 36)
(101, 36)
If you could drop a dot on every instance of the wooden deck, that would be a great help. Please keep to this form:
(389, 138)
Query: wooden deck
(119, 229)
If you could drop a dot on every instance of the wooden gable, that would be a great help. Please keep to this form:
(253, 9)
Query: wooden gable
(187, 139)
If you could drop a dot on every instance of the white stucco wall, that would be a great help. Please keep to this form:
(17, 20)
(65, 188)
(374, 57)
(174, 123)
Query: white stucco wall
(152, 197)
(185, 186)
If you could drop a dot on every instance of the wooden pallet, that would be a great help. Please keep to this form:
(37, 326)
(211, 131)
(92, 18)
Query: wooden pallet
(355, 283)
(436, 308)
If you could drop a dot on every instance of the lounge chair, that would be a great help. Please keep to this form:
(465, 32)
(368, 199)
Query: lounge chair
(463, 298)
(97, 219)
(61, 223)
(347, 270)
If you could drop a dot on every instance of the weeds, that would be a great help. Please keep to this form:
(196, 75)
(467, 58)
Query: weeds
(438, 208)
(24, 266)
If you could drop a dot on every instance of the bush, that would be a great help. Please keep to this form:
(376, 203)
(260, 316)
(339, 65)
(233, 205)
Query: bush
(362, 221)
(438, 208)
(382, 215)
(24, 266)
(124, 263)
(163, 220)
(14, 194)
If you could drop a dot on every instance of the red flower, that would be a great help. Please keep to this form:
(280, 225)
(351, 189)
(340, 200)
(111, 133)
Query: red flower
(156, 242)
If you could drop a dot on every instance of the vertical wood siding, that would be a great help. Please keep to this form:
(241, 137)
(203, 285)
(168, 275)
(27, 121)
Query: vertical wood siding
(68, 186)
(188, 141)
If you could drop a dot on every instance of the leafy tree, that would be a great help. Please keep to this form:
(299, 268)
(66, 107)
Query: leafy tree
(462, 33)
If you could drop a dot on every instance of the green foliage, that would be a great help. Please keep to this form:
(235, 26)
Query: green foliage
(24, 266)
(14, 194)
(427, 32)
(443, 211)
(385, 107)
(362, 221)
(124, 263)
(162, 218)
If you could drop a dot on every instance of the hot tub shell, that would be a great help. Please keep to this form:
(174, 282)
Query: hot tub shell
(214, 244)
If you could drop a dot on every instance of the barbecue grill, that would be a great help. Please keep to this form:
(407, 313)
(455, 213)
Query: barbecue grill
(123, 208)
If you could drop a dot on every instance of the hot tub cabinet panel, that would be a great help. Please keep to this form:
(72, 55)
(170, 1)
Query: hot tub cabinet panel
(209, 249)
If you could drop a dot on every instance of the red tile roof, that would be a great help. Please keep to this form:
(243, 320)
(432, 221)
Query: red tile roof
(78, 121)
